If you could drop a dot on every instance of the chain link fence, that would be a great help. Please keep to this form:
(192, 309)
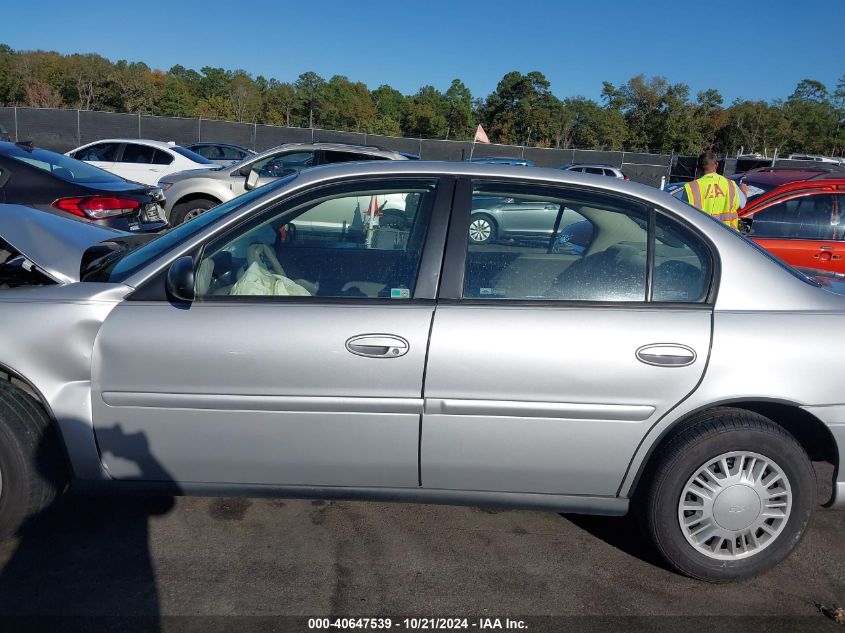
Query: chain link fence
(62, 130)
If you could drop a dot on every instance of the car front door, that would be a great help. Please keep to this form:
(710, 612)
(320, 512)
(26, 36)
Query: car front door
(549, 363)
(102, 155)
(805, 230)
(301, 361)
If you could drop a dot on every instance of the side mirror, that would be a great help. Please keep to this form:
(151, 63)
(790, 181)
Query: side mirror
(244, 171)
(251, 180)
(180, 279)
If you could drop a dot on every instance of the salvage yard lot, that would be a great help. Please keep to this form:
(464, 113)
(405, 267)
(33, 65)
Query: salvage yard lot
(223, 556)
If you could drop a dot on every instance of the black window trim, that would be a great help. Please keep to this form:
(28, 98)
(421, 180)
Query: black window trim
(428, 273)
(454, 260)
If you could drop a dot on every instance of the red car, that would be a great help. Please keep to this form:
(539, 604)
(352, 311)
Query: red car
(801, 223)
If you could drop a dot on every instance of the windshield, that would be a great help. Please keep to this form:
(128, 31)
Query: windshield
(132, 257)
(61, 166)
(202, 160)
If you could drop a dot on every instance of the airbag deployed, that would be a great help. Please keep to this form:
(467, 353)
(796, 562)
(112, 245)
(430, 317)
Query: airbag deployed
(257, 280)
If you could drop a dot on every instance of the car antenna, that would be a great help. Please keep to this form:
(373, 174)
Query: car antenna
(27, 145)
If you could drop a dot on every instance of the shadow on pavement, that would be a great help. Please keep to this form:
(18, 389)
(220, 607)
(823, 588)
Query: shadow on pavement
(623, 533)
(85, 556)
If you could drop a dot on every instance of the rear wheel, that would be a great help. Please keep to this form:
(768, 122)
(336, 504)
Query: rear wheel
(730, 496)
(32, 468)
(185, 211)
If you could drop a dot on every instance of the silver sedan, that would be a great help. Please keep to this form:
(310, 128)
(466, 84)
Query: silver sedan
(335, 334)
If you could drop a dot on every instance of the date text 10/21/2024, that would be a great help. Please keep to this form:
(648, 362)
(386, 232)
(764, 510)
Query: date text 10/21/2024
(416, 624)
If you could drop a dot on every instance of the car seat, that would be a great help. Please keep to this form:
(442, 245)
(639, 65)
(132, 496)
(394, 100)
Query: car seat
(614, 274)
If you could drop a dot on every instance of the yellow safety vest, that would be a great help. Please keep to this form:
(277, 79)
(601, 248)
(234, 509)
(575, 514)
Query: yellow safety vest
(716, 196)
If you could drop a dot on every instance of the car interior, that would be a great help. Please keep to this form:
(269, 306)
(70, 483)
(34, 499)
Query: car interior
(605, 262)
(365, 244)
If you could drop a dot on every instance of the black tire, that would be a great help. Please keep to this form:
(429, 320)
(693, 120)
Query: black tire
(32, 464)
(711, 435)
(482, 218)
(181, 210)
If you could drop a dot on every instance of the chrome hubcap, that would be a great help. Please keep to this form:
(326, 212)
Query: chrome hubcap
(480, 230)
(735, 505)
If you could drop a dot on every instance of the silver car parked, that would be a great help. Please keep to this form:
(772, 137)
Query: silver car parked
(192, 193)
(301, 341)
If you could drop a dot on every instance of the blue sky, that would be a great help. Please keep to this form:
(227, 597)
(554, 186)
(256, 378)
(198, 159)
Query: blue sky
(752, 49)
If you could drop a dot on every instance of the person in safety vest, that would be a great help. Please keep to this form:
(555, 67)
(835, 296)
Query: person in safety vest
(715, 195)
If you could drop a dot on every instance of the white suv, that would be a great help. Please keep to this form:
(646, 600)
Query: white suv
(599, 170)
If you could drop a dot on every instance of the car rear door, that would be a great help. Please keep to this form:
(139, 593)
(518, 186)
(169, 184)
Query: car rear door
(142, 163)
(548, 364)
(299, 364)
(803, 229)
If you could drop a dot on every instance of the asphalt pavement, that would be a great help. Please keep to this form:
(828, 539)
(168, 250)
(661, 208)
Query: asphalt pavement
(267, 557)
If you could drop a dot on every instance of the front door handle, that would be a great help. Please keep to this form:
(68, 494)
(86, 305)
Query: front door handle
(378, 346)
(666, 355)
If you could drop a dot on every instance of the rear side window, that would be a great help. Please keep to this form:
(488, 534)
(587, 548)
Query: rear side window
(809, 217)
(562, 245)
(193, 156)
(682, 264)
(565, 246)
(161, 158)
(594, 170)
(134, 153)
(347, 157)
(609, 172)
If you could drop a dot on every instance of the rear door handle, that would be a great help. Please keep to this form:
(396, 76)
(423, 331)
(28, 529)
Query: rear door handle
(378, 345)
(666, 355)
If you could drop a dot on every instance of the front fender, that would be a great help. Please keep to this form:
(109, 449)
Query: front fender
(47, 340)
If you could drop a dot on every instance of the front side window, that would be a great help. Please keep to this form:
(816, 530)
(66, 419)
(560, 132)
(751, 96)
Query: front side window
(206, 151)
(229, 153)
(364, 243)
(809, 217)
(283, 164)
(101, 152)
(555, 245)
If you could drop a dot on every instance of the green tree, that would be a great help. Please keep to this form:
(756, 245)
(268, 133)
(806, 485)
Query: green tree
(459, 118)
(244, 96)
(310, 87)
(347, 105)
(521, 108)
(425, 116)
(280, 101)
(813, 119)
